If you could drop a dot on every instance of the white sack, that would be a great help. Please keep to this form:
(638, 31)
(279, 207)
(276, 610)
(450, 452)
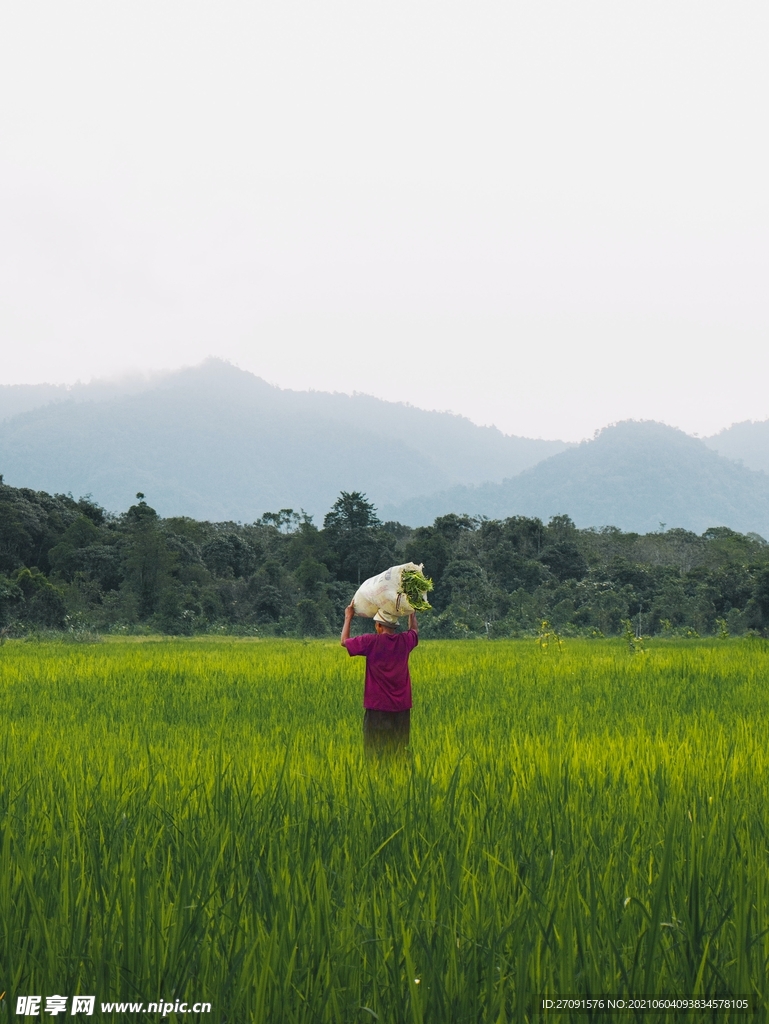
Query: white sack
(383, 593)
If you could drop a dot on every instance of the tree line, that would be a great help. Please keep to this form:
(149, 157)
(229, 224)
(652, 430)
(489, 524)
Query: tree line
(67, 564)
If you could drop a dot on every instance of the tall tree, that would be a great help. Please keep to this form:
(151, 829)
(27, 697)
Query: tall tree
(356, 537)
(147, 560)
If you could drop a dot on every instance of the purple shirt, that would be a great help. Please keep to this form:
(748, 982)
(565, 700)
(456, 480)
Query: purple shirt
(388, 683)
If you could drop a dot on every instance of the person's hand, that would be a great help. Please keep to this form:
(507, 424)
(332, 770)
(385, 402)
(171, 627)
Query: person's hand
(350, 609)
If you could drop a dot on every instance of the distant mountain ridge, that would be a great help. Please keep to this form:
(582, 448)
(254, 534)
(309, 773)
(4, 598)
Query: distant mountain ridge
(16, 399)
(216, 442)
(746, 442)
(634, 475)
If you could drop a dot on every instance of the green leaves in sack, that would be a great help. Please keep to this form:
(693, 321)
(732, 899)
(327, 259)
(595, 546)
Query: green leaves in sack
(416, 586)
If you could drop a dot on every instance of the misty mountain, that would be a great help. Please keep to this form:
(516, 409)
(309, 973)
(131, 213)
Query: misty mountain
(216, 442)
(19, 398)
(634, 475)
(746, 442)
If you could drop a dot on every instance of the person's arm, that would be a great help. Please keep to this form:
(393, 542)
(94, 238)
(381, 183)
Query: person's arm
(348, 614)
(413, 623)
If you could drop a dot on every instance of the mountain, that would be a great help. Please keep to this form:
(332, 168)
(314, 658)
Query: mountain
(216, 442)
(746, 442)
(634, 475)
(18, 398)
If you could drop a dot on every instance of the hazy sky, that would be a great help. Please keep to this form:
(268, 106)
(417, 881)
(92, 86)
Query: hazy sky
(547, 216)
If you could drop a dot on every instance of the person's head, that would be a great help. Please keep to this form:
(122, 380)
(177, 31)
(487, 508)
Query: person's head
(385, 623)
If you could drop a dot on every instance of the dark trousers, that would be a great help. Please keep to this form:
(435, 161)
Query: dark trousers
(385, 731)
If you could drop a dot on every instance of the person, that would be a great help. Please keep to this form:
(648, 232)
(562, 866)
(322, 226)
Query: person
(387, 686)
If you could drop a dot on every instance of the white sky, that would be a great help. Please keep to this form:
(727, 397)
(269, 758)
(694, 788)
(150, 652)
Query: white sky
(547, 216)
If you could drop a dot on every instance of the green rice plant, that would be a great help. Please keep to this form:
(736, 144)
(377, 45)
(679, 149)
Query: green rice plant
(416, 587)
(195, 820)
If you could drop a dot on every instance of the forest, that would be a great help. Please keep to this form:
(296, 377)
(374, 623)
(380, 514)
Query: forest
(70, 566)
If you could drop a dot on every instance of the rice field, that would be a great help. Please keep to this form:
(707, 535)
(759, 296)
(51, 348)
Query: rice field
(186, 821)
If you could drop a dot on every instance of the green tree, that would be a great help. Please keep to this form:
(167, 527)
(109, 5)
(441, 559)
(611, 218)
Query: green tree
(11, 600)
(229, 555)
(564, 560)
(761, 595)
(360, 546)
(43, 602)
(147, 561)
(449, 538)
(311, 575)
(66, 557)
(310, 618)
